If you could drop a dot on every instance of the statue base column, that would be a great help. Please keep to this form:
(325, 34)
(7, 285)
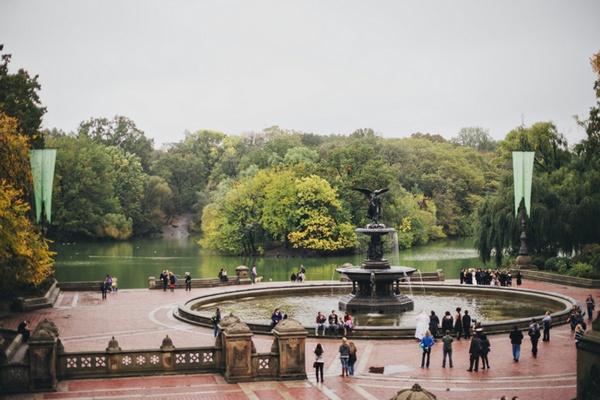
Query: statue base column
(525, 262)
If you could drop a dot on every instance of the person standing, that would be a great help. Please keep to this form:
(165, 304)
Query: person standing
(172, 281)
(253, 273)
(466, 323)
(426, 343)
(591, 305)
(319, 361)
(485, 348)
(353, 357)
(447, 322)
(547, 325)
(24, 330)
(344, 356)
(165, 280)
(519, 278)
(103, 290)
(422, 325)
(434, 324)
(458, 323)
(447, 340)
(516, 338)
(188, 282)
(534, 335)
(475, 350)
(216, 320)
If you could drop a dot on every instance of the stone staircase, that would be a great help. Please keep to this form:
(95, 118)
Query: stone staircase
(35, 303)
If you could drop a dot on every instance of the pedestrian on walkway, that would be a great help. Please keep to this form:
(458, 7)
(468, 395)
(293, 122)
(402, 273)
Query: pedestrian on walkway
(353, 357)
(447, 322)
(534, 335)
(434, 325)
(475, 350)
(458, 327)
(485, 348)
(426, 343)
(319, 361)
(188, 282)
(591, 305)
(516, 338)
(103, 290)
(447, 340)
(579, 331)
(466, 323)
(253, 273)
(547, 325)
(344, 351)
(216, 320)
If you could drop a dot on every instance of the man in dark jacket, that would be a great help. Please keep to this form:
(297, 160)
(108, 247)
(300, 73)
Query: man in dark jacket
(474, 353)
(466, 323)
(516, 338)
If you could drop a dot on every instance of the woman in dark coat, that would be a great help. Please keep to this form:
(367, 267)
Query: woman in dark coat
(434, 323)
(447, 322)
(458, 327)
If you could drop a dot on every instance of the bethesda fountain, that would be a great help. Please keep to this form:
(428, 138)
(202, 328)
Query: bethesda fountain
(375, 284)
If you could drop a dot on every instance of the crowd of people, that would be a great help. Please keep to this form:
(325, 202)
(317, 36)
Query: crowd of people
(489, 277)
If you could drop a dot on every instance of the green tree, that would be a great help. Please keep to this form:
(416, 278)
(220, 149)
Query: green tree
(157, 194)
(477, 138)
(24, 255)
(321, 223)
(19, 99)
(84, 188)
(120, 132)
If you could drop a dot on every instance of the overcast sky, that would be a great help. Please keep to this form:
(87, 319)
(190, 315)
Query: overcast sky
(324, 67)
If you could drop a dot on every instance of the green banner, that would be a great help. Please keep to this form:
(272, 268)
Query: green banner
(523, 176)
(42, 168)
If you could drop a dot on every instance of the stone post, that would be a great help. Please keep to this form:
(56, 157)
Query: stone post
(151, 282)
(167, 356)
(588, 363)
(242, 274)
(238, 349)
(112, 355)
(221, 340)
(42, 356)
(290, 337)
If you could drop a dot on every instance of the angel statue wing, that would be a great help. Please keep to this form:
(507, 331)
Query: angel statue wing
(374, 211)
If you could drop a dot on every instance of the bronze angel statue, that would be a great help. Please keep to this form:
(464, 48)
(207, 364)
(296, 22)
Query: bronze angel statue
(374, 211)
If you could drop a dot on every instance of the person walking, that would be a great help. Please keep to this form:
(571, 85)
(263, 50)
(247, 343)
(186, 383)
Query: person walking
(579, 331)
(103, 290)
(547, 325)
(516, 338)
(447, 340)
(591, 305)
(426, 343)
(534, 336)
(216, 320)
(353, 357)
(344, 351)
(188, 282)
(319, 361)
(253, 273)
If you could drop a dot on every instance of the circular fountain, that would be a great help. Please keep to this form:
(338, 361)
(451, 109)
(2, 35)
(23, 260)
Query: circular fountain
(375, 284)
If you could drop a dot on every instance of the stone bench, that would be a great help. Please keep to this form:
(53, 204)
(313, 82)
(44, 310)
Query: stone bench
(240, 278)
(10, 341)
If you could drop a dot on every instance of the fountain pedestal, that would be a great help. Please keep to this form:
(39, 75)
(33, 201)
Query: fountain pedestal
(376, 284)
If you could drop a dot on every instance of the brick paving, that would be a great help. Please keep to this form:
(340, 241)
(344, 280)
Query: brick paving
(142, 318)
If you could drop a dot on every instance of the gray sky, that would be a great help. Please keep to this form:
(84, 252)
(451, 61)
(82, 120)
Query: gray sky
(324, 67)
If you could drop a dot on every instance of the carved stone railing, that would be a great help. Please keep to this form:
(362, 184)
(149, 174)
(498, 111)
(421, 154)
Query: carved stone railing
(234, 355)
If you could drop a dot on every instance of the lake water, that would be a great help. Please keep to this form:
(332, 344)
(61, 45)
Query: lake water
(132, 262)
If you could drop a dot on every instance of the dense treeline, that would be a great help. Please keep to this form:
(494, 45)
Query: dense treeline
(295, 190)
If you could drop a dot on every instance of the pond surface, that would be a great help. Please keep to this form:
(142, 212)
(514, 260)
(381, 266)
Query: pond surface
(132, 262)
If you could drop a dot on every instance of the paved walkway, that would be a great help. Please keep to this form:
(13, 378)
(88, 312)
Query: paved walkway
(141, 318)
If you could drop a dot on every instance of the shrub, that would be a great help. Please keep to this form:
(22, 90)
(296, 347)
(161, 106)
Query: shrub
(584, 270)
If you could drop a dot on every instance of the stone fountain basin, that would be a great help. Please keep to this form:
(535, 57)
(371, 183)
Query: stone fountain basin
(186, 311)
